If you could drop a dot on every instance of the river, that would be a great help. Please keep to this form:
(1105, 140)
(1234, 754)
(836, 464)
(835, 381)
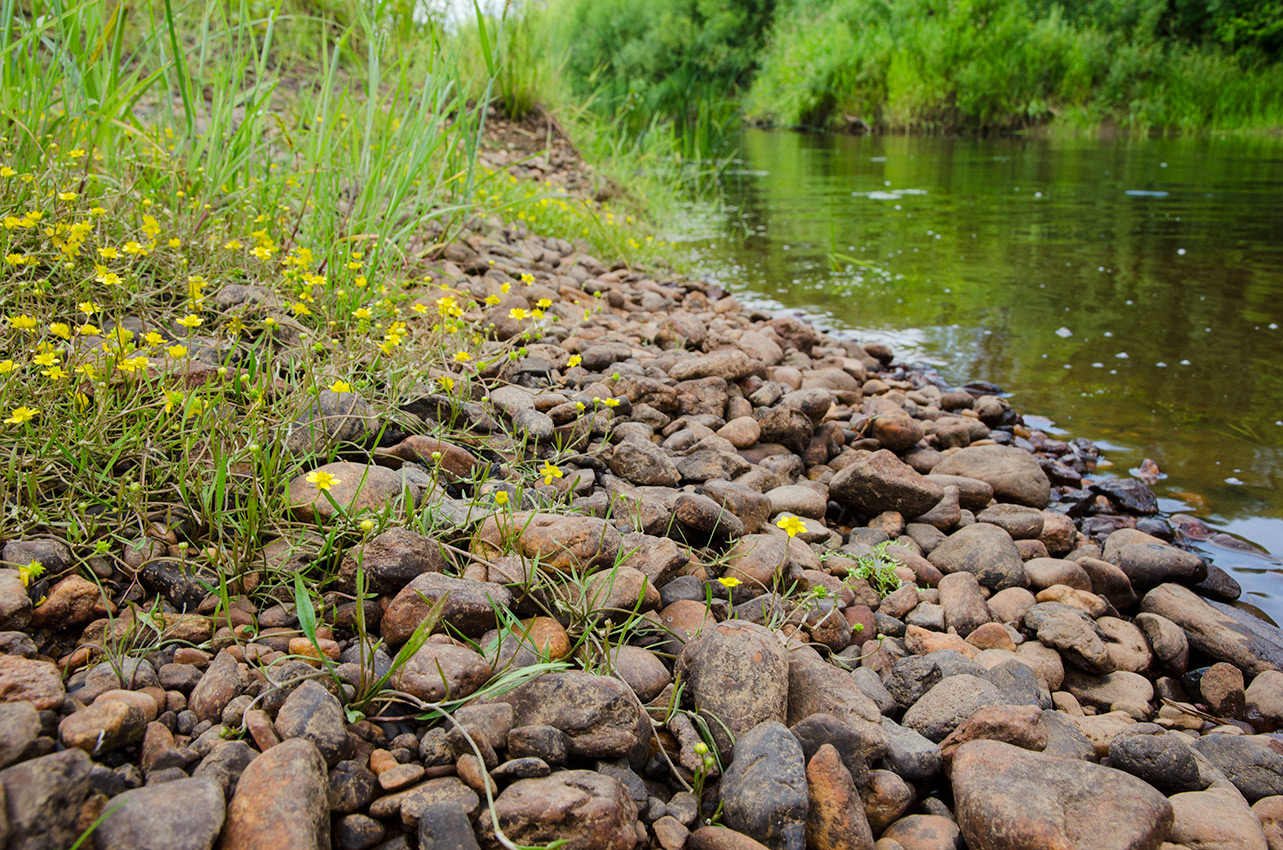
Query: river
(1125, 290)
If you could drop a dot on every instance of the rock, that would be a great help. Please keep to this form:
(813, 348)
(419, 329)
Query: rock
(1126, 644)
(358, 832)
(1109, 581)
(737, 673)
(558, 543)
(798, 499)
(1264, 701)
(29, 680)
(721, 838)
(752, 507)
(470, 606)
(879, 481)
(331, 420)
(264, 816)
(922, 832)
(939, 711)
(438, 670)
(964, 606)
(1008, 798)
(887, 799)
(42, 800)
(658, 558)
(730, 364)
(186, 814)
(1018, 725)
(764, 790)
(444, 826)
(644, 464)
(221, 683)
(973, 494)
(757, 561)
(1129, 494)
(19, 727)
(312, 712)
(391, 561)
(1078, 643)
(1224, 633)
(586, 810)
(1255, 768)
(819, 730)
(1168, 642)
(1019, 683)
(1117, 691)
(1215, 819)
(816, 687)
(1269, 812)
(835, 818)
(412, 803)
(909, 754)
(703, 515)
(991, 635)
(1164, 761)
(1020, 522)
(1223, 691)
(1046, 572)
(1014, 474)
(1010, 605)
(355, 488)
(73, 601)
(599, 715)
(15, 601)
(641, 670)
(911, 677)
(1147, 565)
(105, 726)
(984, 550)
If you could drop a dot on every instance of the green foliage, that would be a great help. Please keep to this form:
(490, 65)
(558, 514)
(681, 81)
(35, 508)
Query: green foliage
(878, 569)
(986, 65)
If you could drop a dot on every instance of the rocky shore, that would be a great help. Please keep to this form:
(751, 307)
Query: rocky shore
(769, 588)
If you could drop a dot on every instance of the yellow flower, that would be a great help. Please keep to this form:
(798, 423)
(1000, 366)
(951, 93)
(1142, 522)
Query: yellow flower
(574, 360)
(233, 245)
(23, 322)
(322, 480)
(87, 307)
(67, 196)
(56, 373)
(172, 399)
(504, 288)
(21, 415)
(76, 154)
(6, 366)
(190, 321)
(133, 364)
(300, 309)
(88, 330)
(60, 329)
(340, 387)
(527, 278)
(729, 581)
(544, 303)
(420, 308)
(153, 338)
(269, 323)
(549, 472)
(791, 525)
(364, 313)
(48, 358)
(177, 351)
(108, 253)
(462, 357)
(107, 278)
(536, 314)
(517, 313)
(501, 497)
(175, 243)
(35, 569)
(132, 247)
(6, 171)
(492, 300)
(611, 402)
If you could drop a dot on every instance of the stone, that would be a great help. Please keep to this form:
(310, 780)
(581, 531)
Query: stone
(939, 711)
(1224, 633)
(658, 558)
(330, 420)
(819, 730)
(443, 826)
(879, 481)
(703, 515)
(19, 727)
(1255, 768)
(737, 673)
(15, 601)
(1078, 643)
(105, 726)
(437, 671)
(1014, 474)
(73, 601)
(758, 561)
(357, 832)
(222, 682)
(643, 463)
(30, 680)
(1022, 523)
(1168, 642)
(470, 606)
(586, 810)
(186, 814)
(817, 687)
(764, 790)
(1223, 690)
(1126, 645)
(1109, 582)
(1215, 819)
(887, 799)
(1018, 725)
(412, 803)
(1164, 761)
(965, 608)
(1147, 565)
(909, 754)
(263, 816)
(42, 799)
(1129, 494)
(1045, 572)
(984, 550)
(641, 670)
(1007, 798)
(1117, 691)
(835, 818)
(312, 712)
(721, 838)
(599, 715)
(355, 488)
(730, 364)
(1264, 701)
(557, 543)
(1019, 683)
(1269, 812)
(922, 832)
(1010, 605)
(798, 499)
(391, 560)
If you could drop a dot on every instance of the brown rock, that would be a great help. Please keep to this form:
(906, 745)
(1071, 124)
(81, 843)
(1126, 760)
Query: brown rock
(1018, 725)
(1014, 474)
(73, 601)
(281, 801)
(586, 810)
(737, 674)
(600, 715)
(470, 606)
(879, 481)
(559, 543)
(391, 560)
(356, 488)
(439, 671)
(28, 680)
(835, 819)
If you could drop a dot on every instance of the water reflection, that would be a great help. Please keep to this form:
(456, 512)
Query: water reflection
(1130, 290)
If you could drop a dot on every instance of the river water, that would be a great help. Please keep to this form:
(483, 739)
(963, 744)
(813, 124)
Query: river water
(1125, 290)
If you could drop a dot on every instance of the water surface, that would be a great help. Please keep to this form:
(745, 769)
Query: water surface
(1129, 291)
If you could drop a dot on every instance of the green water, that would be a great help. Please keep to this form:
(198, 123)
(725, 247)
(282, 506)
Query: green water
(1129, 291)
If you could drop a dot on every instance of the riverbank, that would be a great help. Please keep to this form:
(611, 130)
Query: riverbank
(680, 574)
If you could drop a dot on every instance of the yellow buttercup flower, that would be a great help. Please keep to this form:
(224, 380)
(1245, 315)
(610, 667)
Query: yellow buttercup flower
(322, 480)
(574, 360)
(462, 357)
(6, 366)
(340, 387)
(30, 571)
(517, 313)
(88, 307)
(88, 330)
(550, 471)
(21, 415)
(177, 351)
(48, 358)
(67, 196)
(544, 303)
(791, 525)
(60, 329)
(190, 321)
(23, 322)
(364, 313)
(153, 338)
(729, 581)
(501, 497)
